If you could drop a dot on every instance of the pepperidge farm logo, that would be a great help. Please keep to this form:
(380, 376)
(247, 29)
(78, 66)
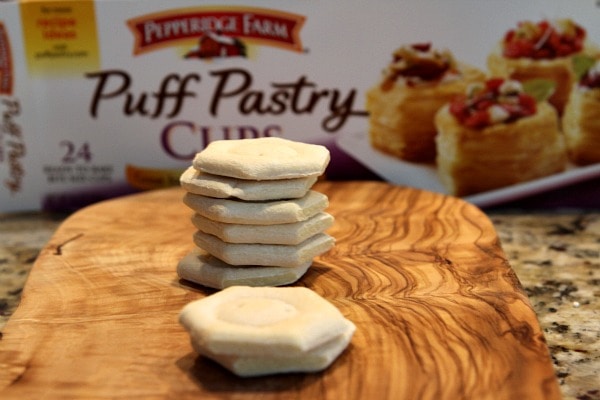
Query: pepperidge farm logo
(216, 32)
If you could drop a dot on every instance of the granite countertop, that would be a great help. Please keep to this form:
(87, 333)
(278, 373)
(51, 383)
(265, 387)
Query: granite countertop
(556, 256)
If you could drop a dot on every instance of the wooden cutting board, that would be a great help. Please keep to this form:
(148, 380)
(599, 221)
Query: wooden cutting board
(439, 312)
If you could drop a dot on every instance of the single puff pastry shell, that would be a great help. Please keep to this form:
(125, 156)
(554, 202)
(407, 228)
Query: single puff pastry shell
(581, 126)
(476, 160)
(401, 117)
(265, 158)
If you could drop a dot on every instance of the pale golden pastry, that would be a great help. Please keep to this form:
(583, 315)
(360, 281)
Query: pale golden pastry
(542, 60)
(290, 234)
(401, 107)
(200, 267)
(581, 123)
(198, 182)
(477, 159)
(259, 223)
(266, 158)
(232, 211)
(314, 360)
(267, 255)
(254, 331)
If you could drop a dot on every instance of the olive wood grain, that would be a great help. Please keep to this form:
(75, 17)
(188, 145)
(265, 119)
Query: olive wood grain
(439, 312)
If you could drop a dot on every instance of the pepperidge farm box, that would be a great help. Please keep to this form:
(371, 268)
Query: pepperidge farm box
(102, 98)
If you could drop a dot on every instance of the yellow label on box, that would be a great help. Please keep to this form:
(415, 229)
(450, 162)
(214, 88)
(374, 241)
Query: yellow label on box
(60, 37)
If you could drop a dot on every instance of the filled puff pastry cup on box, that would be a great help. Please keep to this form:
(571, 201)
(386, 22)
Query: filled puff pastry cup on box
(541, 50)
(401, 107)
(496, 153)
(581, 120)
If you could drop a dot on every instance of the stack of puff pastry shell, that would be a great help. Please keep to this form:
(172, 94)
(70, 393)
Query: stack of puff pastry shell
(259, 223)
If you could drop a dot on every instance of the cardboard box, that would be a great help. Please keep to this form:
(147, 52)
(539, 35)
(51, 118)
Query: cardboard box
(101, 98)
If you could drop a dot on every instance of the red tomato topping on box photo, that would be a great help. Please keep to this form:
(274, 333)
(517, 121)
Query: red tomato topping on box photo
(495, 101)
(544, 39)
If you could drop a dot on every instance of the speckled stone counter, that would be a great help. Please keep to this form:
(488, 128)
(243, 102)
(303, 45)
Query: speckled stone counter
(22, 236)
(557, 259)
(556, 256)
